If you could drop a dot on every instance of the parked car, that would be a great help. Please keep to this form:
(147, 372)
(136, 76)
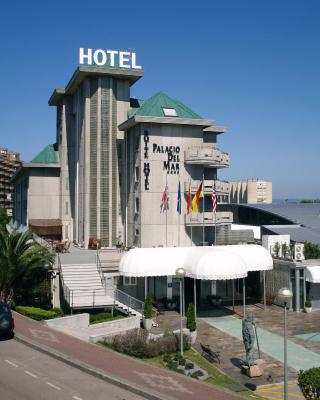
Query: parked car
(6, 321)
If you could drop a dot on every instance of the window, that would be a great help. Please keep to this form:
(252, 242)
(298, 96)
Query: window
(137, 174)
(169, 112)
(129, 281)
(137, 205)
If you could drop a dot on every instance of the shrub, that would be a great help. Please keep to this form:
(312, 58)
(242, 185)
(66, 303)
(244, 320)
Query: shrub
(196, 374)
(182, 361)
(148, 306)
(168, 332)
(167, 358)
(189, 365)
(191, 320)
(276, 249)
(135, 343)
(104, 317)
(39, 314)
(309, 383)
(307, 304)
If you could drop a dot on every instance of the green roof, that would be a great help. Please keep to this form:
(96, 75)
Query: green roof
(48, 155)
(153, 107)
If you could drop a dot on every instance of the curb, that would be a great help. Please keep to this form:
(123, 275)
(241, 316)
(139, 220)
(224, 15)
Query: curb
(87, 368)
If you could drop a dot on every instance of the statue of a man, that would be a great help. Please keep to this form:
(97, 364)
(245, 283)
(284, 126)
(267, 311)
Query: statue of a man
(248, 336)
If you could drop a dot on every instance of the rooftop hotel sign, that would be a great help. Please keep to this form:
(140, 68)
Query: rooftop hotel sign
(109, 58)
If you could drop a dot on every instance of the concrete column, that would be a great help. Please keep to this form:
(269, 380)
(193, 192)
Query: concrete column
(111, 195)
(87, 165)
(169, 289)
(297, 289)
(99, 159)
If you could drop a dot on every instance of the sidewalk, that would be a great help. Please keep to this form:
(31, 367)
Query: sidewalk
(140, 378)
(272, 344)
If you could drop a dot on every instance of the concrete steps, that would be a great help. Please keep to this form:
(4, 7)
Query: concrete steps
(84, 289)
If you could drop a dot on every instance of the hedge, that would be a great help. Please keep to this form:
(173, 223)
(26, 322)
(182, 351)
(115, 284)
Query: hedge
(39, 314)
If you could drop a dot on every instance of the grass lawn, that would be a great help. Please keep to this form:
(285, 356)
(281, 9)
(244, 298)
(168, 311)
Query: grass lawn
(216, 376)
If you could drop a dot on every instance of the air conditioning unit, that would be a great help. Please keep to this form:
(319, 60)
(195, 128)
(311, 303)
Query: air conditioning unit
(299, 252)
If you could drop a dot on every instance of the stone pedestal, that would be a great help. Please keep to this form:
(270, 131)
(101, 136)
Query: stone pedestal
(253, 371)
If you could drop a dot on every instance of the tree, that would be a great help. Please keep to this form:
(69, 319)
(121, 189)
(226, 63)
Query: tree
(309, 383)
(311, 250)
(4, 219)
(191, 319)
(21, 259)
(148, 307)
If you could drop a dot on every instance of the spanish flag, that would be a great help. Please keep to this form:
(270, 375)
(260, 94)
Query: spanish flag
(196, 199)
(189, 199)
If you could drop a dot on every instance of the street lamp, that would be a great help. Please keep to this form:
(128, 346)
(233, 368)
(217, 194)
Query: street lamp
(285, 295)
(181, 273)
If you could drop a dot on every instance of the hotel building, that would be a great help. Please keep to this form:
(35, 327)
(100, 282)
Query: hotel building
(112, 160)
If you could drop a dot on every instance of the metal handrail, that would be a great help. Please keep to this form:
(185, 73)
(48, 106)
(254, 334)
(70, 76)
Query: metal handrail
(66, 290)
(99, 266)
(127, 300)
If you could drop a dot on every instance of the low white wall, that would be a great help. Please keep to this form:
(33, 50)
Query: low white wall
(79, 326)
(112, 328)
(77, 321)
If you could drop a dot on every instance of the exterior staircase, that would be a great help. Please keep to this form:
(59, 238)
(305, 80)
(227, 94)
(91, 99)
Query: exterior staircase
(84, 286)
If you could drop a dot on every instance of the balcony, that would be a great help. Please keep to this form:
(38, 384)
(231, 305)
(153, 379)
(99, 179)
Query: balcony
(208, 219)
(221, 187)
(207, 155)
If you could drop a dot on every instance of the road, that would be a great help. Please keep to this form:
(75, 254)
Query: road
(27, 374)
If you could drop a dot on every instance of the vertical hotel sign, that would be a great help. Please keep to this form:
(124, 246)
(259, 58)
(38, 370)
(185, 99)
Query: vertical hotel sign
(108, 58)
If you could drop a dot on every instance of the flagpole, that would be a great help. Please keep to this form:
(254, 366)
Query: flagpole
(203, 208)
(215, 228)
(215, 216)
(179, 211)
(167, 209)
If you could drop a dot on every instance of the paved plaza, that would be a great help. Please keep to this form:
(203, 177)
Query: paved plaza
(221, 329)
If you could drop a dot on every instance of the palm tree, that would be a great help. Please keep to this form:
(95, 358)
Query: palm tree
(21, 258)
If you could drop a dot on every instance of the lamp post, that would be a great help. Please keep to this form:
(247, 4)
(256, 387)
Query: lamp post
(181, 273)
(285, 295)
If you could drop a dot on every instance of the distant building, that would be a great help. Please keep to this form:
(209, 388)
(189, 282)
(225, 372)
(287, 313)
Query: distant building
(251, 191)
(9, 162)
(37, 194)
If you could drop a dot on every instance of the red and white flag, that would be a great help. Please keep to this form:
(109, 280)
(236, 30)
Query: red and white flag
(214, 200)
(164, 206)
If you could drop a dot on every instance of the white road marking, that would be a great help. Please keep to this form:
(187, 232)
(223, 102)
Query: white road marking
(76, 398)
(53, 386)
(11, 363)
(30, 373)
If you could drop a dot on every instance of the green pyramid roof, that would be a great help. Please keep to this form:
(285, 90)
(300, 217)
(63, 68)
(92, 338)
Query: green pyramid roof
(48, 155)
(153, 107)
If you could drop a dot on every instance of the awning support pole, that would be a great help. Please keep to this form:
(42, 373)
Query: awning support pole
(195, 296)
(264, 291)
(183, 299)
(145, 286)
(244, 296)
(233, 294)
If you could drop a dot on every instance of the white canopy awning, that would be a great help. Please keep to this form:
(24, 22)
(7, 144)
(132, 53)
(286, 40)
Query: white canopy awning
(313, 274)
(210, 262)
(158, 261)
(213, 264)
(256, 257)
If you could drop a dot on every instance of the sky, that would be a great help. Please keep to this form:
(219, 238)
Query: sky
(250, 65)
